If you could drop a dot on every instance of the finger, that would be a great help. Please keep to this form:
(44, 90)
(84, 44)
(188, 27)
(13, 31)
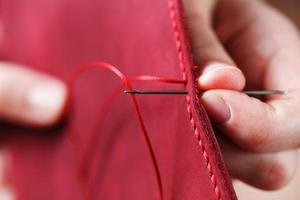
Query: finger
(218, 69)
(268, 171)
(6, 191)
(221, 76)
(29, 97)
(252, 124)
(266, 52)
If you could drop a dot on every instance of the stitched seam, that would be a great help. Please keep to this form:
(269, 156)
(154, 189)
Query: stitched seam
(188, 100)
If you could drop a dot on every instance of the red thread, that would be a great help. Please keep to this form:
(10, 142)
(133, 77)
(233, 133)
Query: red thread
(88, 156)
(188, 98)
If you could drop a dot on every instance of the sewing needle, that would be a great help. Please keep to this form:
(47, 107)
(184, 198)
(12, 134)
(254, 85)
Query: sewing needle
(181, 92)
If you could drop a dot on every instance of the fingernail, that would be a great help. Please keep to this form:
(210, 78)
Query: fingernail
(213, 68)
(45, 101)
(216, 107)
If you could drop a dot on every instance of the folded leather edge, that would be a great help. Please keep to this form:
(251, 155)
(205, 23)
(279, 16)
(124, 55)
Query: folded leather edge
(199, 120)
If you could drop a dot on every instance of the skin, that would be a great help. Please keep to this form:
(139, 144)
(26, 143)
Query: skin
(30, 98)
(258, 44)
(237, 44)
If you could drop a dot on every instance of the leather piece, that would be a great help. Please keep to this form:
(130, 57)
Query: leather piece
(137, 36)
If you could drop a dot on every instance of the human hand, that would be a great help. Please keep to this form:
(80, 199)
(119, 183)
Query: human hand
(234, 40)
(30, 98)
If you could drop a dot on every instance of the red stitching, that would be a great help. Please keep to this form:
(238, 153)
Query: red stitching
(88, 156)
(188, 100)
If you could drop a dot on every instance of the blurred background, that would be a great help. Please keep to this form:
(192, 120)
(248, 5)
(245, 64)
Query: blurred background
(292, 192)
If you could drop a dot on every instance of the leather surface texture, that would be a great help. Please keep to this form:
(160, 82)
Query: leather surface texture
(140, 37)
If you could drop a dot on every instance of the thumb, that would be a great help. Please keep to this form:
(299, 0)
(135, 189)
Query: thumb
(29, 97)
(217, 69)
(248, 122)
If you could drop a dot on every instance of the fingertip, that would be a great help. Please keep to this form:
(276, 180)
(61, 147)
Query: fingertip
(277, 172)
(29, 97)
(217, 108)
(45, 102)
(217, 75)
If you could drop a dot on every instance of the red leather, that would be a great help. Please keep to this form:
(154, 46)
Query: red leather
(141, 38)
